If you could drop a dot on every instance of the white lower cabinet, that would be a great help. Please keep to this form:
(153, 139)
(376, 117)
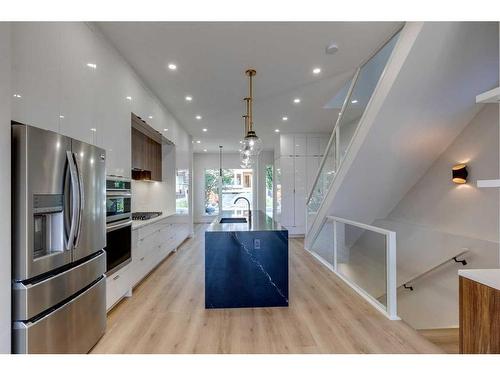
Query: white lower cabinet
(118, 285)
(151, 244)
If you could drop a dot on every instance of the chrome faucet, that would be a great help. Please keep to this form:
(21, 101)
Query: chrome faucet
(249, 210)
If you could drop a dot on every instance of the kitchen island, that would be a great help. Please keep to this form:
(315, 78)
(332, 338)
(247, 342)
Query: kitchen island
(246, 263)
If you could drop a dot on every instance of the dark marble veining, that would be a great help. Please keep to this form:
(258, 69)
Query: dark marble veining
(246, 267)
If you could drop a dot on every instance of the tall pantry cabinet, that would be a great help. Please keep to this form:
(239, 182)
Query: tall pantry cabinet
(299, 159)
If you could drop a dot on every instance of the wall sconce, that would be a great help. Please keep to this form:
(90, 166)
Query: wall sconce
(459, 174)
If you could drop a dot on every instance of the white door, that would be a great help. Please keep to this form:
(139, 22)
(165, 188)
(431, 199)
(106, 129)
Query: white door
(287, 191)
(300, 191)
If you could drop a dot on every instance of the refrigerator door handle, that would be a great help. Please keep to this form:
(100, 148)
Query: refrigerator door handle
(81, 200)
(75, 200)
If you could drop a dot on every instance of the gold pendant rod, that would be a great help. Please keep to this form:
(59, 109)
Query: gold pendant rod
(250, 73)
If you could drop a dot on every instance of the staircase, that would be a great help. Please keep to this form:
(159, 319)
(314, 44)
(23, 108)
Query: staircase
(404, 107)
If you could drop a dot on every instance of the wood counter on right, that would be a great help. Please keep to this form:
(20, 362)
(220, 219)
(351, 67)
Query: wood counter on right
(479, 311)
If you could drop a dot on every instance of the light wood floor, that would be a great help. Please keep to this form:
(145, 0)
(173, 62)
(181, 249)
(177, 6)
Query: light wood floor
(166, 314)
(445, 338)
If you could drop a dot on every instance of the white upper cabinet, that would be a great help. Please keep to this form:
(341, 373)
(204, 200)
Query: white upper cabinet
(79, 65)
(36, 80)
(287, 145)
(68, 79)
(313, 145)
(114, 106)
(300, 145)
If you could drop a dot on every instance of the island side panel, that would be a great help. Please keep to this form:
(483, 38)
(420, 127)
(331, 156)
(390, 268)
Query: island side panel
(243, 272)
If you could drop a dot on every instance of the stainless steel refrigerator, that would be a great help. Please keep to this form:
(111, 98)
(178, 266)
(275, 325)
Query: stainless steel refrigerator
(59, 232)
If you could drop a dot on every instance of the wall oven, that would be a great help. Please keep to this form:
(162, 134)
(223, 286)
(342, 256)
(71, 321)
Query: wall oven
(118, 224)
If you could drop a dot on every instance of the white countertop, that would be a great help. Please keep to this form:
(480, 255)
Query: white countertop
(489, 277)
(136, 224)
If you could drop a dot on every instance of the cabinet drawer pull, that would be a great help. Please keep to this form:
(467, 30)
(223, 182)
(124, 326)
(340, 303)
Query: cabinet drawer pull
(116, 277)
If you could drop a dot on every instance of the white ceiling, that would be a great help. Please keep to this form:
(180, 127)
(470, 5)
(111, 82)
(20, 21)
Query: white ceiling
(211, 59)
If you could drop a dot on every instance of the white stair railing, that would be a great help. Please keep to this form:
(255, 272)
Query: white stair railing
(337, 247)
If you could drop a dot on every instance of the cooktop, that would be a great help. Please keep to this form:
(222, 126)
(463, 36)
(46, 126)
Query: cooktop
(145, 215)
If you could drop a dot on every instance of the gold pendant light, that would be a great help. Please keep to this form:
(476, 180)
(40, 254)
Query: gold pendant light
(252, 145)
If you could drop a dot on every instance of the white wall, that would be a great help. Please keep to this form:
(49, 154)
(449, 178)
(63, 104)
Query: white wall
(5, 265)
(435, 208)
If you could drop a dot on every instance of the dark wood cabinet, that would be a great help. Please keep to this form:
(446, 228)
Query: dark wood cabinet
(479, 318)
(146, 152)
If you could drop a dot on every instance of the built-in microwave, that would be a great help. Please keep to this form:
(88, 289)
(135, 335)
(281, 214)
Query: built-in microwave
(118, 200)
(118, 224)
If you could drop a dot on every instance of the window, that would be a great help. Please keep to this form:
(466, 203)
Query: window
(269, 190)
(211, 191)
(182, 192)
(236, 183)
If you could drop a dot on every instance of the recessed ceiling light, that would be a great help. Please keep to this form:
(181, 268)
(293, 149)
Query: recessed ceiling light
(93, 129)
(128, 97)
(61, 116)
(150, 117)
(204, 150)
(276, 130)
(316, 70)
(284, 118)
(172, 66)
(92, 65)
(165, 130)
(204, 129)
(188, 98)
(198, 141)
(354, 101)
(198, 117)
(296, 100)
(17, 96)
(241, 142)
(239, 150)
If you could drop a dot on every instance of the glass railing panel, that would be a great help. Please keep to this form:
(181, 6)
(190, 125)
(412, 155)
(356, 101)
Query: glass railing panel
(361, 259)
(323, 182)
(361, 94)
(323, 244)
(358, 96)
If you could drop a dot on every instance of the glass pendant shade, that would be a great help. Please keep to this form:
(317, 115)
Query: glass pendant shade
(252, 145)
(247, 160)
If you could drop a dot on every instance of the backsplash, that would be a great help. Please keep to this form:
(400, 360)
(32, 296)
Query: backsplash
(153, 196)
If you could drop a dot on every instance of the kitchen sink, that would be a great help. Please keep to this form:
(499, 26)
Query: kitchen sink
(233, 220)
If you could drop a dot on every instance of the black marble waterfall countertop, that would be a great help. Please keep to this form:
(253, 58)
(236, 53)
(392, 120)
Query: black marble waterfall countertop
(260, 222)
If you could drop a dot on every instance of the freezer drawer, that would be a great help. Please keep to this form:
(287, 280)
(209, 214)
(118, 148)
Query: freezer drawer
(74, 327)
(31, 299)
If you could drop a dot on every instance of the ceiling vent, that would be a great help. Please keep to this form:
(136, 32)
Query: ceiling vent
(331, 49)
